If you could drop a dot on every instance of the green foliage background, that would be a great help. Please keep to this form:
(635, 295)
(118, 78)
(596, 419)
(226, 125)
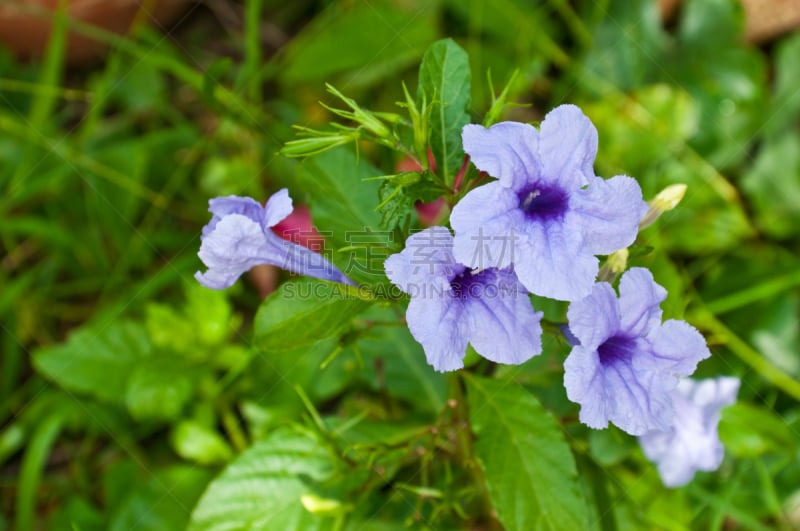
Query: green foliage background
(132, 398)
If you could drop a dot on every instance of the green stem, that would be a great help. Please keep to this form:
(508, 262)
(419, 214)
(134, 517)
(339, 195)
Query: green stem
(747, 296)
(235, 433)
(32, 468)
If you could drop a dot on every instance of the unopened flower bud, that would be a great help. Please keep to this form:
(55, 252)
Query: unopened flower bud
(664, 201)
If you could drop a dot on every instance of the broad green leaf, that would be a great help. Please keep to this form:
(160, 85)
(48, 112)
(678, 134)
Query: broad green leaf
(370, 40)
(529, 468)
(97, 362)
(195, 442)
(262, 488)
(444, 81)
(302, 312)
(165, 501)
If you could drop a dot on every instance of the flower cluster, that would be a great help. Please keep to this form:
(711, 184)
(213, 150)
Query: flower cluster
(537, 228)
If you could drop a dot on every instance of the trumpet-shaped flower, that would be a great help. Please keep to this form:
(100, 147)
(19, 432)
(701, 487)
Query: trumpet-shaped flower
(547, 214)
(628, 362)
(239, 236)
(692, 443)
(452, 305)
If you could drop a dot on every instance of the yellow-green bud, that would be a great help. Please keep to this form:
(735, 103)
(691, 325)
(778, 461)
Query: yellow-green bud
(664, 201)
(322, 506)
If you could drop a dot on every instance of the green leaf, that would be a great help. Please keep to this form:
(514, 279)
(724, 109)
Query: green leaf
(397, 201)
(162, 502)
(529, 468)
(97, 362)
(370, 40)
(195, 442)
(748, 431)
(262, 488)
(159, 388)
(302, 312)
(444, 80)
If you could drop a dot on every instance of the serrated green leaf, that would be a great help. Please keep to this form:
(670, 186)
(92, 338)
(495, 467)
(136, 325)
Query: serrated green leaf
(262, 488)
(302, 312)
(529, 468)
(444, 79)
(97, 362)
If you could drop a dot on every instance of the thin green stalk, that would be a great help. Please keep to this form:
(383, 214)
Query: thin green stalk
(235, 433)
(761, 291)
(573, 21)
(51, 72)
(33, 464)
(253, 55)
(38, 89)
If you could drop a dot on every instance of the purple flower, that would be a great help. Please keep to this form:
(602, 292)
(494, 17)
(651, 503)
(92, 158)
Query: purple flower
(692, 443)
(452, 305)
(238, 237)
(628, 362)
(547, 214)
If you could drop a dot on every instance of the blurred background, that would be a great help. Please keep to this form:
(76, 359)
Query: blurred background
(120, 119)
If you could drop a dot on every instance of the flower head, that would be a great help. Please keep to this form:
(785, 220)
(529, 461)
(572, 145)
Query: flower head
(547, 203)
(239, 236)
(692, 443)
(452, 305)
(628, 362)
